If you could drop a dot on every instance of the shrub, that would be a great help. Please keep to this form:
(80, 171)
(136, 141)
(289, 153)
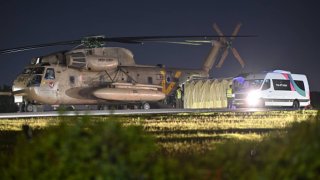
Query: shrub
(7, 102)
(292, 154)
(82, 150)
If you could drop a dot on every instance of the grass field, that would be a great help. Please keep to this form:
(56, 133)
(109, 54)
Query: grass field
(260, 145)
(182, 133)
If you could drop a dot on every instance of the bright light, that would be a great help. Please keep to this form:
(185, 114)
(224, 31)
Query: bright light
(253, 98)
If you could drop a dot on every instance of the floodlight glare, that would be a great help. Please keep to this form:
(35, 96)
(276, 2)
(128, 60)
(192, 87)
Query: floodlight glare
(253, 98)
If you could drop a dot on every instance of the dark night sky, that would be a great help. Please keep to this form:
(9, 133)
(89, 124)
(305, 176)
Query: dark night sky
(288, 31)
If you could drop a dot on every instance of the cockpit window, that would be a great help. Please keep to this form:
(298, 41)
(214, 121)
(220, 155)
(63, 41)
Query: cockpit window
(35, 80)
(36, 70)
(50, 74)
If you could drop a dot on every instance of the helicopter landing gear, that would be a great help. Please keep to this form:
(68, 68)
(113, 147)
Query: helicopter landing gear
(70, 108)
(125, 107)
(30, 108)
(103, 107)
(21, 107)
(145, 106)
(135, 106)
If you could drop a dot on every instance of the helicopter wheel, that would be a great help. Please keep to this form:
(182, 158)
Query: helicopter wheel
(103, 107)
(30, 108)
(145, 106)
(22, 107)
(125, 107)
(70, 108)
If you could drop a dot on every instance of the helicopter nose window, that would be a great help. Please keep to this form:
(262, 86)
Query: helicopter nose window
(37, 70)
(50, 74)
(35, 80)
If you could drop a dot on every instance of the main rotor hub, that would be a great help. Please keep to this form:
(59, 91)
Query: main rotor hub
(93, 41)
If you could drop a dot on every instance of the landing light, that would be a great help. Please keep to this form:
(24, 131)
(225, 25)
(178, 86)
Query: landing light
(253, 98)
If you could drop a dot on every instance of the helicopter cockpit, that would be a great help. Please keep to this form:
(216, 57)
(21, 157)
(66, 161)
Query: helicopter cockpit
(36, 74)
(33, 70)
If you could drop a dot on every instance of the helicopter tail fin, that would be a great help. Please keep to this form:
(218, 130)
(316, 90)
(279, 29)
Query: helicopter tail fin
(212, 56)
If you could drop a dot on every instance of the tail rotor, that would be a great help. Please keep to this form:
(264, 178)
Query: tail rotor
(227, 45)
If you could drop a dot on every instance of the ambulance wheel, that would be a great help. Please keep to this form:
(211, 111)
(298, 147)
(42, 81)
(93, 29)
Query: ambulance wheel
(296, 104)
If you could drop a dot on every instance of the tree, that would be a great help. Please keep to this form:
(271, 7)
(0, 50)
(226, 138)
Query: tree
(7, 102)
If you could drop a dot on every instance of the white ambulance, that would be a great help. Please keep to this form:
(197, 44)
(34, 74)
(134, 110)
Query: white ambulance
(277, 88)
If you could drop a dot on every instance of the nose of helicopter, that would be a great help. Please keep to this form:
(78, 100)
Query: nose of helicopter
(21, 82)
(19, 87)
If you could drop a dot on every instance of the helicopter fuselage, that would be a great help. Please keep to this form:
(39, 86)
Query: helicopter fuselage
(62, 85)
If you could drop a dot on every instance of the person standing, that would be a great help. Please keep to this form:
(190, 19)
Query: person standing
(179, 98)
(229, 97)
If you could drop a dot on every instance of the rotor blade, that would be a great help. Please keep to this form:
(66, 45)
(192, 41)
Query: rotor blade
(199, 41)
(38, 46)
(212, 56)
(120, 40)
(236, 31)
(161, 37)
(219, 32)
(217, 29)
(223, 57)
(150, 38)
(177, 42)
(238, 57)
(130, 40)
(5, 93)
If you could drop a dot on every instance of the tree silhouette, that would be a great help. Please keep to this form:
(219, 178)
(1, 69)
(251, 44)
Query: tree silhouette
(7, 102)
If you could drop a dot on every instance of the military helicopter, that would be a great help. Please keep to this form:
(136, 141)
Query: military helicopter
(92, 74)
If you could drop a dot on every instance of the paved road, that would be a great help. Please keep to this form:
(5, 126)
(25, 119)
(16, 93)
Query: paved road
(124, 112)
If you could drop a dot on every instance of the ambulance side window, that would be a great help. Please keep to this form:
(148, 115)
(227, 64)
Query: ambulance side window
(50, 74)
